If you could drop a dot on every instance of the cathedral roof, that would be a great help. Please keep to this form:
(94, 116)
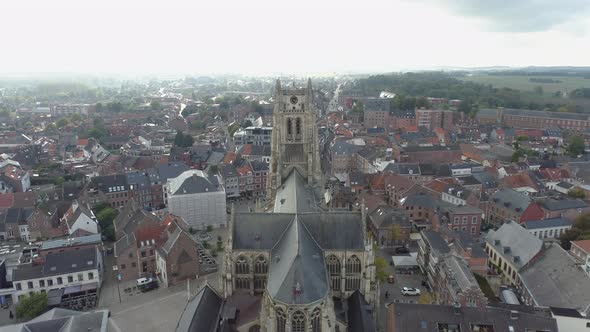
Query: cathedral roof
(297, 272)
(294, 195)
(261, 231)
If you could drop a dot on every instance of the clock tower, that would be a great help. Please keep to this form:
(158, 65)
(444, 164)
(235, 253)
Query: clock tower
(294, 137)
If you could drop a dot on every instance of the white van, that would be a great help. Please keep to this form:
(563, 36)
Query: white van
(143, 281)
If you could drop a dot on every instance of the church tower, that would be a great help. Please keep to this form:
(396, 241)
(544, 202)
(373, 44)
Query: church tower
(294, 137)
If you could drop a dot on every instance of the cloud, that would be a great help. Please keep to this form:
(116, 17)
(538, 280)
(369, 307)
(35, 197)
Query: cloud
(520, 15)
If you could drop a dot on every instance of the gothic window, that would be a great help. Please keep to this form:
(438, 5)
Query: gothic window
(255, 328)
(298, 126)
(260, 267)
(353, 273)
(259, 283)
(281, 320)
(242, 266)
(242, 283)
(298, 322)
(289, 127)
(316, 321)
(334, 269)
(353, 264)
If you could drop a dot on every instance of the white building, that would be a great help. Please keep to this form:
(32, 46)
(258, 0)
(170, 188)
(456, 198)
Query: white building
(198, 198)
(548, 228)
(82, 267)
(80, 220)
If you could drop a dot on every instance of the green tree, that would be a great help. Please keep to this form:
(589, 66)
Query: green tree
(425, 298)
(75, 118)
(156, 105)
(31, 306)
(539, 90)
(576, 146)
(59, 180)
(51, 128)
(62, 123)
(394, 233)
(580, 231)
(577, 192)
(247, 124)
(380, 266)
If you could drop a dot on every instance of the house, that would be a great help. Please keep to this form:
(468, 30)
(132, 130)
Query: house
(403, 317)
(389, 226)
(198, 198)
(61, 270)
(554, 279)
(551, 228)
(569, 320)
(177, 258)
(447, 274)
(580, 250)
(510, 248)
(507, 204)
(563, 207)
(70, 244)
(80, 220)
(111, 189)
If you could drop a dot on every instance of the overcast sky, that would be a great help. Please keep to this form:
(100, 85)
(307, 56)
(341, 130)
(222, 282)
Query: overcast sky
(298, 36)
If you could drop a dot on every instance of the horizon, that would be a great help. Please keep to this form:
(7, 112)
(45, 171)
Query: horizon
(265, 38)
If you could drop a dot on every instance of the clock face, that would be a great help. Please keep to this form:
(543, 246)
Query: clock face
(294, 100)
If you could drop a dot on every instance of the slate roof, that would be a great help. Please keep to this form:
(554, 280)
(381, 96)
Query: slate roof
(436, 242)
(387, 216)
(360, 317)
(171, 170)
(555, 280)
(103, 183)
(343, 148)
(75, 241)
(515, 243)
(63, 320)
(515, 200)
(201, 313)
(294, 195)
(427, 317)
(297, 273)
(193, 182)
(546, 223)
(261, 231)
(553, 204)
(60, 263)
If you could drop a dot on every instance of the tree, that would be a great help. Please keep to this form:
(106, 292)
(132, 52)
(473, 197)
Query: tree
(62, 123)
(425, 298)
(59, 180)
(31, 306)
(247, 124)
(465, 106)
(156, 105)
(580, 231)
(394, 234)
(51, 128)
(380, 266)
(75, 118)
(182, 140)
(105, 216)
(576, 146)
(577, 192)
(539, 90)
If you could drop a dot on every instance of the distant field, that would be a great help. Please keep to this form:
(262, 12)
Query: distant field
(522, 82)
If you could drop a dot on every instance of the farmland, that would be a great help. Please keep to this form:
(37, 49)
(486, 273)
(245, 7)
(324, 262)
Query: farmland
(522, 83)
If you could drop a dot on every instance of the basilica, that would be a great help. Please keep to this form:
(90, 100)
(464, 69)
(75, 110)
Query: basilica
(293, 266)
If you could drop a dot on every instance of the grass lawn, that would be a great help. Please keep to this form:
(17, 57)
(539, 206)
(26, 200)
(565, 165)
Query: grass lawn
(486, 288)
(522, 82)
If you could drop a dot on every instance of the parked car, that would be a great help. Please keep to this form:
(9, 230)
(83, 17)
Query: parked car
(401, 250)
(409, 291)
(149, 286)
(391, 279)
(143, 281)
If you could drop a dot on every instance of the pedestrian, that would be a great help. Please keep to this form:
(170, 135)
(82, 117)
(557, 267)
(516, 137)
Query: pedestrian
(386, 294)
(10, 315)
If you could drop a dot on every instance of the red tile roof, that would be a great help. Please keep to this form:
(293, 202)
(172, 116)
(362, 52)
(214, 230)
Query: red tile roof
(583, 244)
(6, 200)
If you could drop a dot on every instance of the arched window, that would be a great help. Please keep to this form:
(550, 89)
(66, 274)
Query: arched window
(316, 320)
(298, 322)
(334, 269)
(281, 320)
(353, 264)
(260, 267)
(254, 328)
(298, 126)
(242, 266)
(353, 273)
(289, 127)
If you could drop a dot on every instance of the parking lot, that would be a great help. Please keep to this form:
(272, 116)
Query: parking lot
(394, 289)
